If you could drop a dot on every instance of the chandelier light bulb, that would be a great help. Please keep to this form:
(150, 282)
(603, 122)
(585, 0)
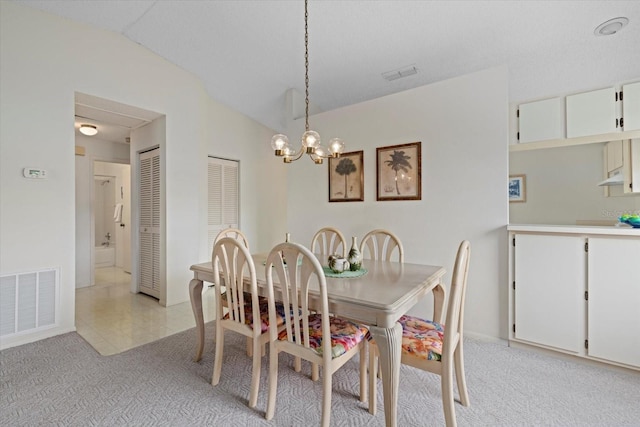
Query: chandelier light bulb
(336, 146)
(310, 139)
(279, 141)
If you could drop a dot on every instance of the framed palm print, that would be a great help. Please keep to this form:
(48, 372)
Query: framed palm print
(398, 172)
(346, 177)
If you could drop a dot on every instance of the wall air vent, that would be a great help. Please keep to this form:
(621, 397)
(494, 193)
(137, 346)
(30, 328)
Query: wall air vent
(28, 301)
(400, 73)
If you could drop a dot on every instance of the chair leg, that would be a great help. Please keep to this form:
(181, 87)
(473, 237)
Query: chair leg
(460, 377)
(447, 391)
(326, 397)
(217, 363)
(249, 347)
(315, 372)
(273, 381)
(363, 372)
(297, 364)
(373, 379)
(255, 373)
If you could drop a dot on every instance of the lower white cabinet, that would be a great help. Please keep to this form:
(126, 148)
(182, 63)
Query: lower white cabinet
(614, 300)
(549, 287)
(577, 294)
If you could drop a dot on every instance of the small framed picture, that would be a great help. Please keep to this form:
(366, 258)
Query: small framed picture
(517, 188)
(398, 172)
(346, 177)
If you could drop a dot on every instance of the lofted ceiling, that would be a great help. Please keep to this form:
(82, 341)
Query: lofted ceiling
(249, 53)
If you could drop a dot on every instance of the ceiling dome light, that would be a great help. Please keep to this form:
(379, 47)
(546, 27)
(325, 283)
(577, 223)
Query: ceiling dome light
(611, 26)
(88, 130)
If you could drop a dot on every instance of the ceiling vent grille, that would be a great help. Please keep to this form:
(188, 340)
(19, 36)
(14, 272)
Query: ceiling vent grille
(400, 73)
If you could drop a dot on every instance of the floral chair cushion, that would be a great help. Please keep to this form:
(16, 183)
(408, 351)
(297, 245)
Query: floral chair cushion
(246, 297)
(422, 338)
(344, 334)
(264, 315)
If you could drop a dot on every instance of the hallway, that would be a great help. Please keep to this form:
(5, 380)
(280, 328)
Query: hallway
(113, 320)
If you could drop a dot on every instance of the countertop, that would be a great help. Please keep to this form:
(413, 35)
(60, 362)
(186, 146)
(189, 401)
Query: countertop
(575, 229)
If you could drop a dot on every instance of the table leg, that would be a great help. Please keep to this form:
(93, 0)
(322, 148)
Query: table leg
(389, 342)
(195, 294)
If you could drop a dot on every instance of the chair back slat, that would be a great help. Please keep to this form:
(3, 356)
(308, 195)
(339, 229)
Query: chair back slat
(234, 233)
(328, 241)
(381, 244)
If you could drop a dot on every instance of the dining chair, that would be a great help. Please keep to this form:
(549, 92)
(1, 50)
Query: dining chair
(233, 263)
(433, 346)
(381, 244)
(300, 278)
(327, 241)
(235, 233)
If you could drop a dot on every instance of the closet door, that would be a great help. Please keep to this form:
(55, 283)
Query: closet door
(149, 226)
(223, 208)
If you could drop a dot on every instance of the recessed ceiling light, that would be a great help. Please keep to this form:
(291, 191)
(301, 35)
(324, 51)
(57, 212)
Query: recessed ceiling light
(88, 130)
(611, 26)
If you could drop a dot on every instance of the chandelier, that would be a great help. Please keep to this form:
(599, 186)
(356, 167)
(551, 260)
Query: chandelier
(311, 143)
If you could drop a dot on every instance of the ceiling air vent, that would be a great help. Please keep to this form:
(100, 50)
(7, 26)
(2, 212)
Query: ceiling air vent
(400, 73)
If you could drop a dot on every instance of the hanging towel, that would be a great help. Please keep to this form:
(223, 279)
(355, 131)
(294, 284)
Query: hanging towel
(117, 213)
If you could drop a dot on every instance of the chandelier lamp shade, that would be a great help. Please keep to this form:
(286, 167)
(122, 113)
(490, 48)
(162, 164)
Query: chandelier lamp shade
(310, 141)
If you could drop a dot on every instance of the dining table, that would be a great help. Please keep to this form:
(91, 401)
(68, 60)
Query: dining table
(378, 298)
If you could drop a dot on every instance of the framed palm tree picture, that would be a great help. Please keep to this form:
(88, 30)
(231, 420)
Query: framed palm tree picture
(398, 172)
(346, 177)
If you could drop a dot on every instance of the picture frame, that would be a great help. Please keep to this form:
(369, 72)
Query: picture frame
(346, 177)
(399, 172)
(517, 188)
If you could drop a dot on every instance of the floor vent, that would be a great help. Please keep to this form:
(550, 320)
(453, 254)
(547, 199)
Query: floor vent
(28, 301)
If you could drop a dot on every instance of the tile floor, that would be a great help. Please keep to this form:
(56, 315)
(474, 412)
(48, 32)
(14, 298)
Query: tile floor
(113, 319)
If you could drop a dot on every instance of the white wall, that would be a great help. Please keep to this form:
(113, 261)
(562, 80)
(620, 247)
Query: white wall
(40, 71)
(263, 192)
(463, 126)
(561, 187)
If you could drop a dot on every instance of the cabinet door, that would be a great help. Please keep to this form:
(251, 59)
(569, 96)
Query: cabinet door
(549, 291)
(592, 113)
(631, 106)
(614, 300)
(541, 120)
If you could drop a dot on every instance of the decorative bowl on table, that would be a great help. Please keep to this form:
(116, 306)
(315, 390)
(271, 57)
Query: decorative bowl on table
(633, 220)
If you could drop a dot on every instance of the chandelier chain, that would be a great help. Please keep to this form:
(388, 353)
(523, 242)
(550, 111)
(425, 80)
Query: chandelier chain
(306, 66)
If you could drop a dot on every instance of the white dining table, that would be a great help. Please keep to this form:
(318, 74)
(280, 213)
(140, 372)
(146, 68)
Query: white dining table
(377, 299)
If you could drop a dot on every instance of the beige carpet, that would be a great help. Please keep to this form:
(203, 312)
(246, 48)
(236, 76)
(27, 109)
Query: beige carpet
(63, 381)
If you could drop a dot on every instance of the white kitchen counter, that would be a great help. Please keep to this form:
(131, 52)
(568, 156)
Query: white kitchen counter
(574, 229)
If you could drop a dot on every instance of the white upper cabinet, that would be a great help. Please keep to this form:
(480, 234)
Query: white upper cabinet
(592, 113)
(541, 120)
(631, 106)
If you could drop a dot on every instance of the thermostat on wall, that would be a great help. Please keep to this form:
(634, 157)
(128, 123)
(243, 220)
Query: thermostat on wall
(34, 173)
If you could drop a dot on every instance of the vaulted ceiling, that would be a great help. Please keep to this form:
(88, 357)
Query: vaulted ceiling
(249, 53)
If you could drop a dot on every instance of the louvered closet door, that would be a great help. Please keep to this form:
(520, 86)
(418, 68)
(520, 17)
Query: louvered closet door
(149, 256)
(224, 198)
